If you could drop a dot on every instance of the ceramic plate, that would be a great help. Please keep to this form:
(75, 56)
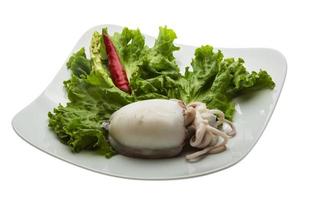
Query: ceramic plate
(252, 115)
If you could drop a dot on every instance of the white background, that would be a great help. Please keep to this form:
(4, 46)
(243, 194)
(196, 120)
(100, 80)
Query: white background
(36, 38)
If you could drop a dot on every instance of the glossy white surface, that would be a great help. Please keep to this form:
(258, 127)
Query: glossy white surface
(251, 118)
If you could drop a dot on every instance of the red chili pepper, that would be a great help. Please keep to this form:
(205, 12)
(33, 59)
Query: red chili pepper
(115, 67)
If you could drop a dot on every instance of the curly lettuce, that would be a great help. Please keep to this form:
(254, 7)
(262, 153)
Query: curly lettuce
(216, 80)
(157, 74)
(153, 73)
(92, 99)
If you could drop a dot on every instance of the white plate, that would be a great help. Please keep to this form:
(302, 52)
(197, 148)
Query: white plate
(251, 117)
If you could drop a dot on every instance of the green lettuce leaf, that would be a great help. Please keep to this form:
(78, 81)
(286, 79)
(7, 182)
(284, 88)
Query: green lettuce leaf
(157, 73)
(80, 128)
(164, 44)
(79, 64)
(99, 60)
(216, 81)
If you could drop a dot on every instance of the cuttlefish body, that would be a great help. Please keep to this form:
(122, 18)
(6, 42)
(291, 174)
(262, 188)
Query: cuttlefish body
(159, 128)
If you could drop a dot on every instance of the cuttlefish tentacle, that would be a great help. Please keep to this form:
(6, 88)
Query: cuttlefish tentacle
(208, 137)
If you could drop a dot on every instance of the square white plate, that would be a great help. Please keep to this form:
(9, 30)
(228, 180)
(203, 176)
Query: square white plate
(252, 115)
